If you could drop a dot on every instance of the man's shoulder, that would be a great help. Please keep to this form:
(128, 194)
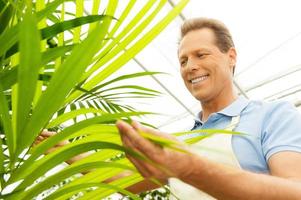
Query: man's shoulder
(271, 106)
(265, 112)
(274, 113)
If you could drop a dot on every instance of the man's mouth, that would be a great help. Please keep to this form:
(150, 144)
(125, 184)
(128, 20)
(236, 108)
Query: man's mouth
(199, 79)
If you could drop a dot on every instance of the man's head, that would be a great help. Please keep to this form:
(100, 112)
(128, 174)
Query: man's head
(207, 57)
(223, 38)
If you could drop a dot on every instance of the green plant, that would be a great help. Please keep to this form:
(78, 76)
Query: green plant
(48, 78)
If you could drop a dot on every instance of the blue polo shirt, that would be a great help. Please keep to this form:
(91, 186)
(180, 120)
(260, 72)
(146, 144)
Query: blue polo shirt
(270, 127)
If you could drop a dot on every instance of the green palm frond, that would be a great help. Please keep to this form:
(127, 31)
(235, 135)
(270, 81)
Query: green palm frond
(56, 69)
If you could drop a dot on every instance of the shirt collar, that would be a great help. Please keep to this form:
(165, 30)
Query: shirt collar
(234, 109)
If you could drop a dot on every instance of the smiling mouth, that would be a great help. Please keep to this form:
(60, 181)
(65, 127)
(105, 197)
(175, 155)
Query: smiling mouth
(199, 79)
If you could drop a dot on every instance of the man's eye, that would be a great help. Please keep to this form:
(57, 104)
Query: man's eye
(200, 55)
(183, 62)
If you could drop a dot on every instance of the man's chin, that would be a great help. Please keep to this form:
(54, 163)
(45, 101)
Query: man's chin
(201, 97)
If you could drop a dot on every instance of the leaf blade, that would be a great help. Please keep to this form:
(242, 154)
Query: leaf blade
(30, 59)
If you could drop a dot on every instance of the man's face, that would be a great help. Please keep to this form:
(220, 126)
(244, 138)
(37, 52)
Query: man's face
(206, 71)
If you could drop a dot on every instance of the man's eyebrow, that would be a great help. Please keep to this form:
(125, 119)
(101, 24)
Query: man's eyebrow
(182, 56)
(193, 51)
(202, 49)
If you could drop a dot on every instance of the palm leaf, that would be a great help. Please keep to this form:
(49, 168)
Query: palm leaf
(30, 60)
(61, 85)
(9, 77)
(7, 127)
(55, 94)
(134, 49)
(9, 37)
(57, 28)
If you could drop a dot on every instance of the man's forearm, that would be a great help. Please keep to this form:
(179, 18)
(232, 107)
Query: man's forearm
(225, 182)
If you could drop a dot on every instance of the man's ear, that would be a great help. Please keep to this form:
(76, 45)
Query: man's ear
(232, 55)
(232, 58)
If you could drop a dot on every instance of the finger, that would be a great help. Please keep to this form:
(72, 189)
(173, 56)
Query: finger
(63, 143)
(148, 169)
(46, 133)
(139, 166)
(147, 166)
(133, 139)
(131, 136)
(176, 143)
(126, 142)
(52, 149)
(36, 142)
(155, 163)
(131, 151)
(133, 158)
(137, 126)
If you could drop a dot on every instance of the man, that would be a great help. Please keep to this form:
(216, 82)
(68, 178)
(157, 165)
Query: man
(269, 155)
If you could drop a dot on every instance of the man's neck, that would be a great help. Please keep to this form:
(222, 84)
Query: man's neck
(216, 105)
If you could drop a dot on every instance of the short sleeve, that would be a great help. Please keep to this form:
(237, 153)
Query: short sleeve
(281, 130)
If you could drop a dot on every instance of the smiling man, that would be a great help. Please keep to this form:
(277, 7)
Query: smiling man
(263, 164)
(207, 68)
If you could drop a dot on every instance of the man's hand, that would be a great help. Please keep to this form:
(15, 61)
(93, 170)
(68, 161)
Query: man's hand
(46, 134)
(168, 162)
(222, 182)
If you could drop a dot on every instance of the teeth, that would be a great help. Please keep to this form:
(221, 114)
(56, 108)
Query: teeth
(198, 79)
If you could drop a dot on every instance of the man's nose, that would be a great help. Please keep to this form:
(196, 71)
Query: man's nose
(192, 65)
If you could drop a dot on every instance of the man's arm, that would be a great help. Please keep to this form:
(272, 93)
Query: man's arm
(228, 183)
(286, 164)
(217, 180)
(46, 134)
(137, 188)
